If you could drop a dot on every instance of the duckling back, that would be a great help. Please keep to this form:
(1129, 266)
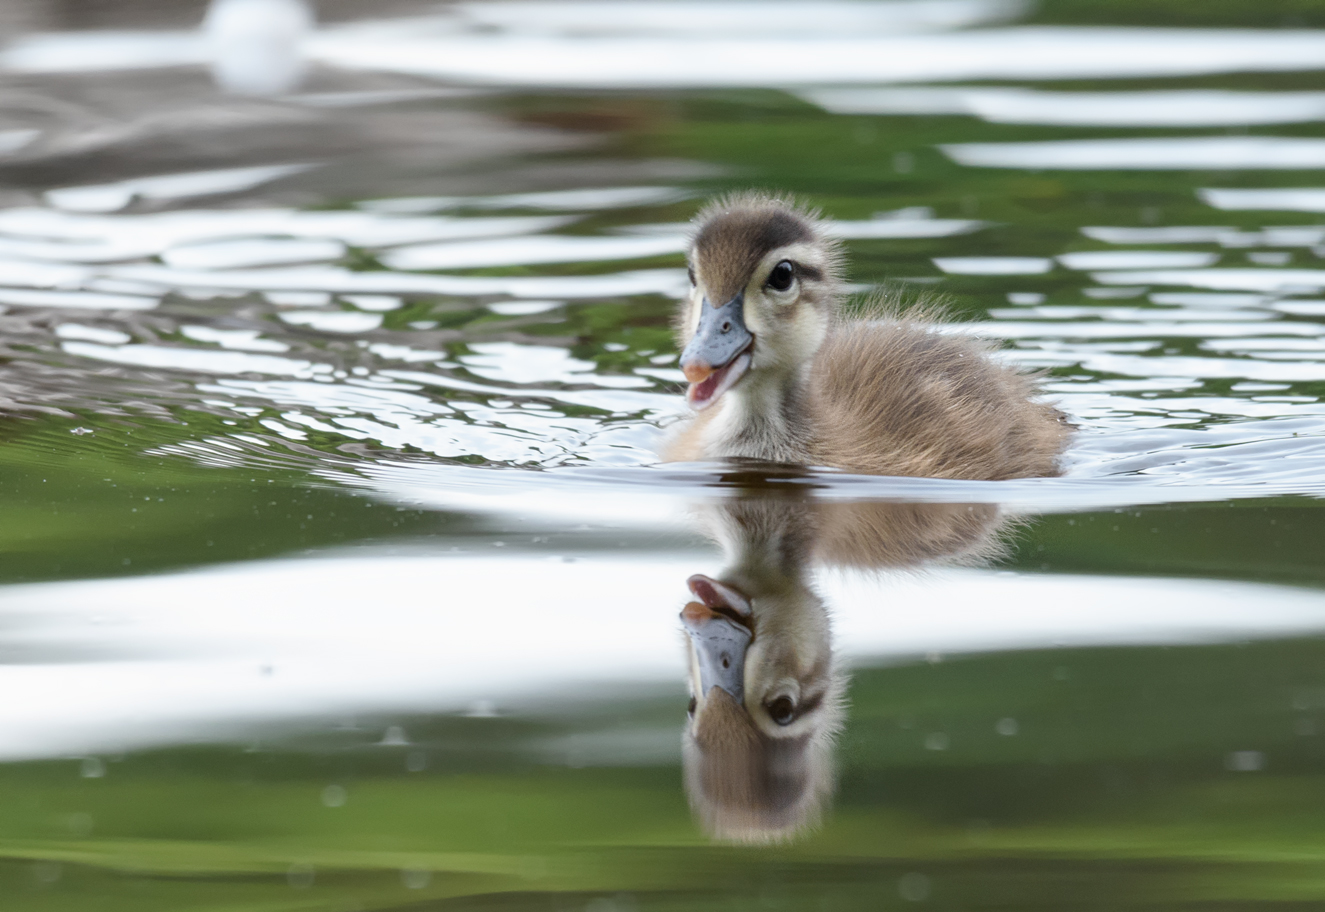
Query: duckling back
(899, 397)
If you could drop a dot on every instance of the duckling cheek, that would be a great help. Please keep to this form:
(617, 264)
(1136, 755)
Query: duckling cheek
(756, 320)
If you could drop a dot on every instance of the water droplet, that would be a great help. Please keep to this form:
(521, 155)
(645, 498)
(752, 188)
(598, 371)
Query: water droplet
(1006, 727)
(936, 741)
(334, 796)
(46, 872)
(394, 737)
(300, 876)
(1245, 761)
(415, 880)
(92, 768)
(913, 887)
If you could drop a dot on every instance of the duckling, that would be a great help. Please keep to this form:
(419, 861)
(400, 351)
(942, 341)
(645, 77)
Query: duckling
(766, 691)
(778, 374)
(766, 696)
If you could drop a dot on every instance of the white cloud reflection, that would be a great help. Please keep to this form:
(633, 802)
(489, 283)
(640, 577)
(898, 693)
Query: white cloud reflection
(221, 653)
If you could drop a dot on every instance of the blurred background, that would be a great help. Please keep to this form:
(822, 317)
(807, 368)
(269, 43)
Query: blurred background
(337, 570)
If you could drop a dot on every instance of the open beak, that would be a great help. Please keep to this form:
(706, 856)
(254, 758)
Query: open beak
(719, 627)
(719, 353)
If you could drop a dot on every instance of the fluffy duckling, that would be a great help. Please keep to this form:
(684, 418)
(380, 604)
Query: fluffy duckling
(778, 374)
(766, 691)
(766, 696)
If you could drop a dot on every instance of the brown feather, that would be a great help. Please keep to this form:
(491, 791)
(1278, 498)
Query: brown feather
(899, 397)
(735, 232)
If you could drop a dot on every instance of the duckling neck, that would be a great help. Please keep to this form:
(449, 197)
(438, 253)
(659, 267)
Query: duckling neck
(764, 417)
(766, 543)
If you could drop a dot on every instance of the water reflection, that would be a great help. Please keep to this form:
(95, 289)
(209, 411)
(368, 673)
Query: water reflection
(767, 692)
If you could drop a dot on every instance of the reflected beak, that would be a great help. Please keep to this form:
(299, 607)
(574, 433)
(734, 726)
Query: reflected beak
(719, 628)
(719, 353)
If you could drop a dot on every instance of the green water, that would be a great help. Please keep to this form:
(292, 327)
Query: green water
(1063, 725)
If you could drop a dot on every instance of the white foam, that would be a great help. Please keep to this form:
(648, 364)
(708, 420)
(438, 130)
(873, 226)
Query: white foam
(105, 238)
(1269, 281)
(523, 308)
(234, 339)
(74, 300)
(112, 197)
(884, 228)
(708, 18)
(30, 274)
(1136, 259)
(783, 59)
(1290, 199)
(374, 303)
(994, 265)
(511, 363)
(671, 282)
(91, 334)
(84, 52)
(14, 140)
(758, 47)
(1168, 234)
(333, 321)
(1150, 153)
(529, 250)
(1175, 108)
(241, 254)
(579, 200)
(196, 359)
(1113, 328)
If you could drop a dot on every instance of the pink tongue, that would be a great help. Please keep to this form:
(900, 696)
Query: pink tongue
(705, 592)
(704, 389)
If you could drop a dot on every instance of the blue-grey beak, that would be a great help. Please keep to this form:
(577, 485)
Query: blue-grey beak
(720, 336)
(720, 645)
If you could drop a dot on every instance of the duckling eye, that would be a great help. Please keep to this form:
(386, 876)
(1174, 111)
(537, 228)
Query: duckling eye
(690, 271)
(690, 710)
(781, 710)
(781, 277)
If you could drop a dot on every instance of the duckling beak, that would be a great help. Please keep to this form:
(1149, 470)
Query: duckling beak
(719, 353)
(718, 626)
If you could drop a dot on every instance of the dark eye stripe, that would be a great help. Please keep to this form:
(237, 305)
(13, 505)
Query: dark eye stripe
(808, 705)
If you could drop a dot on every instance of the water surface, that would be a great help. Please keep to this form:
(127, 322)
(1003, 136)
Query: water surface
(339, 569)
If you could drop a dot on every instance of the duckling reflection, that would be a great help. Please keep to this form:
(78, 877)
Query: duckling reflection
(767, 696)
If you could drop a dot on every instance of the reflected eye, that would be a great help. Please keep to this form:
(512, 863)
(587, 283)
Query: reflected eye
(690, 710)
(781, 710)
(781, 277)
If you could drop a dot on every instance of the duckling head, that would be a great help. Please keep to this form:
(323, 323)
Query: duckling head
(764, 285)
(766, 705)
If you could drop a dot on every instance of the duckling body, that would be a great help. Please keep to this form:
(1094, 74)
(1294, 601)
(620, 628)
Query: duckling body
(886, 395)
